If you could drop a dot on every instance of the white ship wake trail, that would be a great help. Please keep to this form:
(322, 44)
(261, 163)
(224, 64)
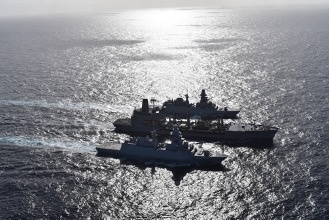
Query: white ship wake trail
(68, 105)
(40, 142)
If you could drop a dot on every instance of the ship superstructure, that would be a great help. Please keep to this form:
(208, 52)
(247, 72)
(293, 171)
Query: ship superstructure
(205, 109)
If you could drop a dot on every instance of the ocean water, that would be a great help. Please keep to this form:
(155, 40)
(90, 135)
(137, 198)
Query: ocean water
(65, 79)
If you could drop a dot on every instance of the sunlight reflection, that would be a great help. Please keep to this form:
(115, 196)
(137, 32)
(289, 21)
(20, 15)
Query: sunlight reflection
(162, 18)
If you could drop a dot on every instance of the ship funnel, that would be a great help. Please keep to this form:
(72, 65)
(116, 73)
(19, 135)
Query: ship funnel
(145, 106)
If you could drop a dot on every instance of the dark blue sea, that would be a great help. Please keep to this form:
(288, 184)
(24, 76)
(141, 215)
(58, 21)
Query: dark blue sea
(65, 79)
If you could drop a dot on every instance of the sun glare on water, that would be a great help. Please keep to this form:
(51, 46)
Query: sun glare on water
(163, 18)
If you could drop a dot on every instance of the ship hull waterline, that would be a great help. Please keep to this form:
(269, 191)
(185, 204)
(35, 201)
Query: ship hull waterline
(178, 159)
(203, 135)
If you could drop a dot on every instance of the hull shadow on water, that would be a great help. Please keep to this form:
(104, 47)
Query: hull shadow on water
(179, 171)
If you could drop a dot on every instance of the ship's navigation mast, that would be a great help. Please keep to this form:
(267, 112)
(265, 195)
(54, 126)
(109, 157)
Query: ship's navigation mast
(204, 98)
(186, 98)
(153, 100)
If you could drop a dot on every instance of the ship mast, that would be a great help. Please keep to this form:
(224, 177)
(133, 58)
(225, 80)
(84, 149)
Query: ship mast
(186, 98)
(153, 100)
(204, 98)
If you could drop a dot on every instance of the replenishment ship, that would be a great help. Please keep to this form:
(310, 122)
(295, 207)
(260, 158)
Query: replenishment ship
(146, 119)
(207, 128)
(178, 108)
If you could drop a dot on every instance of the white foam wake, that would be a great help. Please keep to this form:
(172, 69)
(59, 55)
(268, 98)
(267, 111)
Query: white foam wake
(41, 142)
(67, 104)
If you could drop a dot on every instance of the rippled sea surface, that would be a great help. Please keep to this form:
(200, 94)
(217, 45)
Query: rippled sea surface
(65, 79)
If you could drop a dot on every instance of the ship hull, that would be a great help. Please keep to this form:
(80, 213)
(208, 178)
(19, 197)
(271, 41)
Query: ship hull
(227, 136)
(231, 136)
(146, 154)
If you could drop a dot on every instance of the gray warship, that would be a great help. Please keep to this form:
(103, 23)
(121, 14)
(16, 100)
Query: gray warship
(177, 152)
